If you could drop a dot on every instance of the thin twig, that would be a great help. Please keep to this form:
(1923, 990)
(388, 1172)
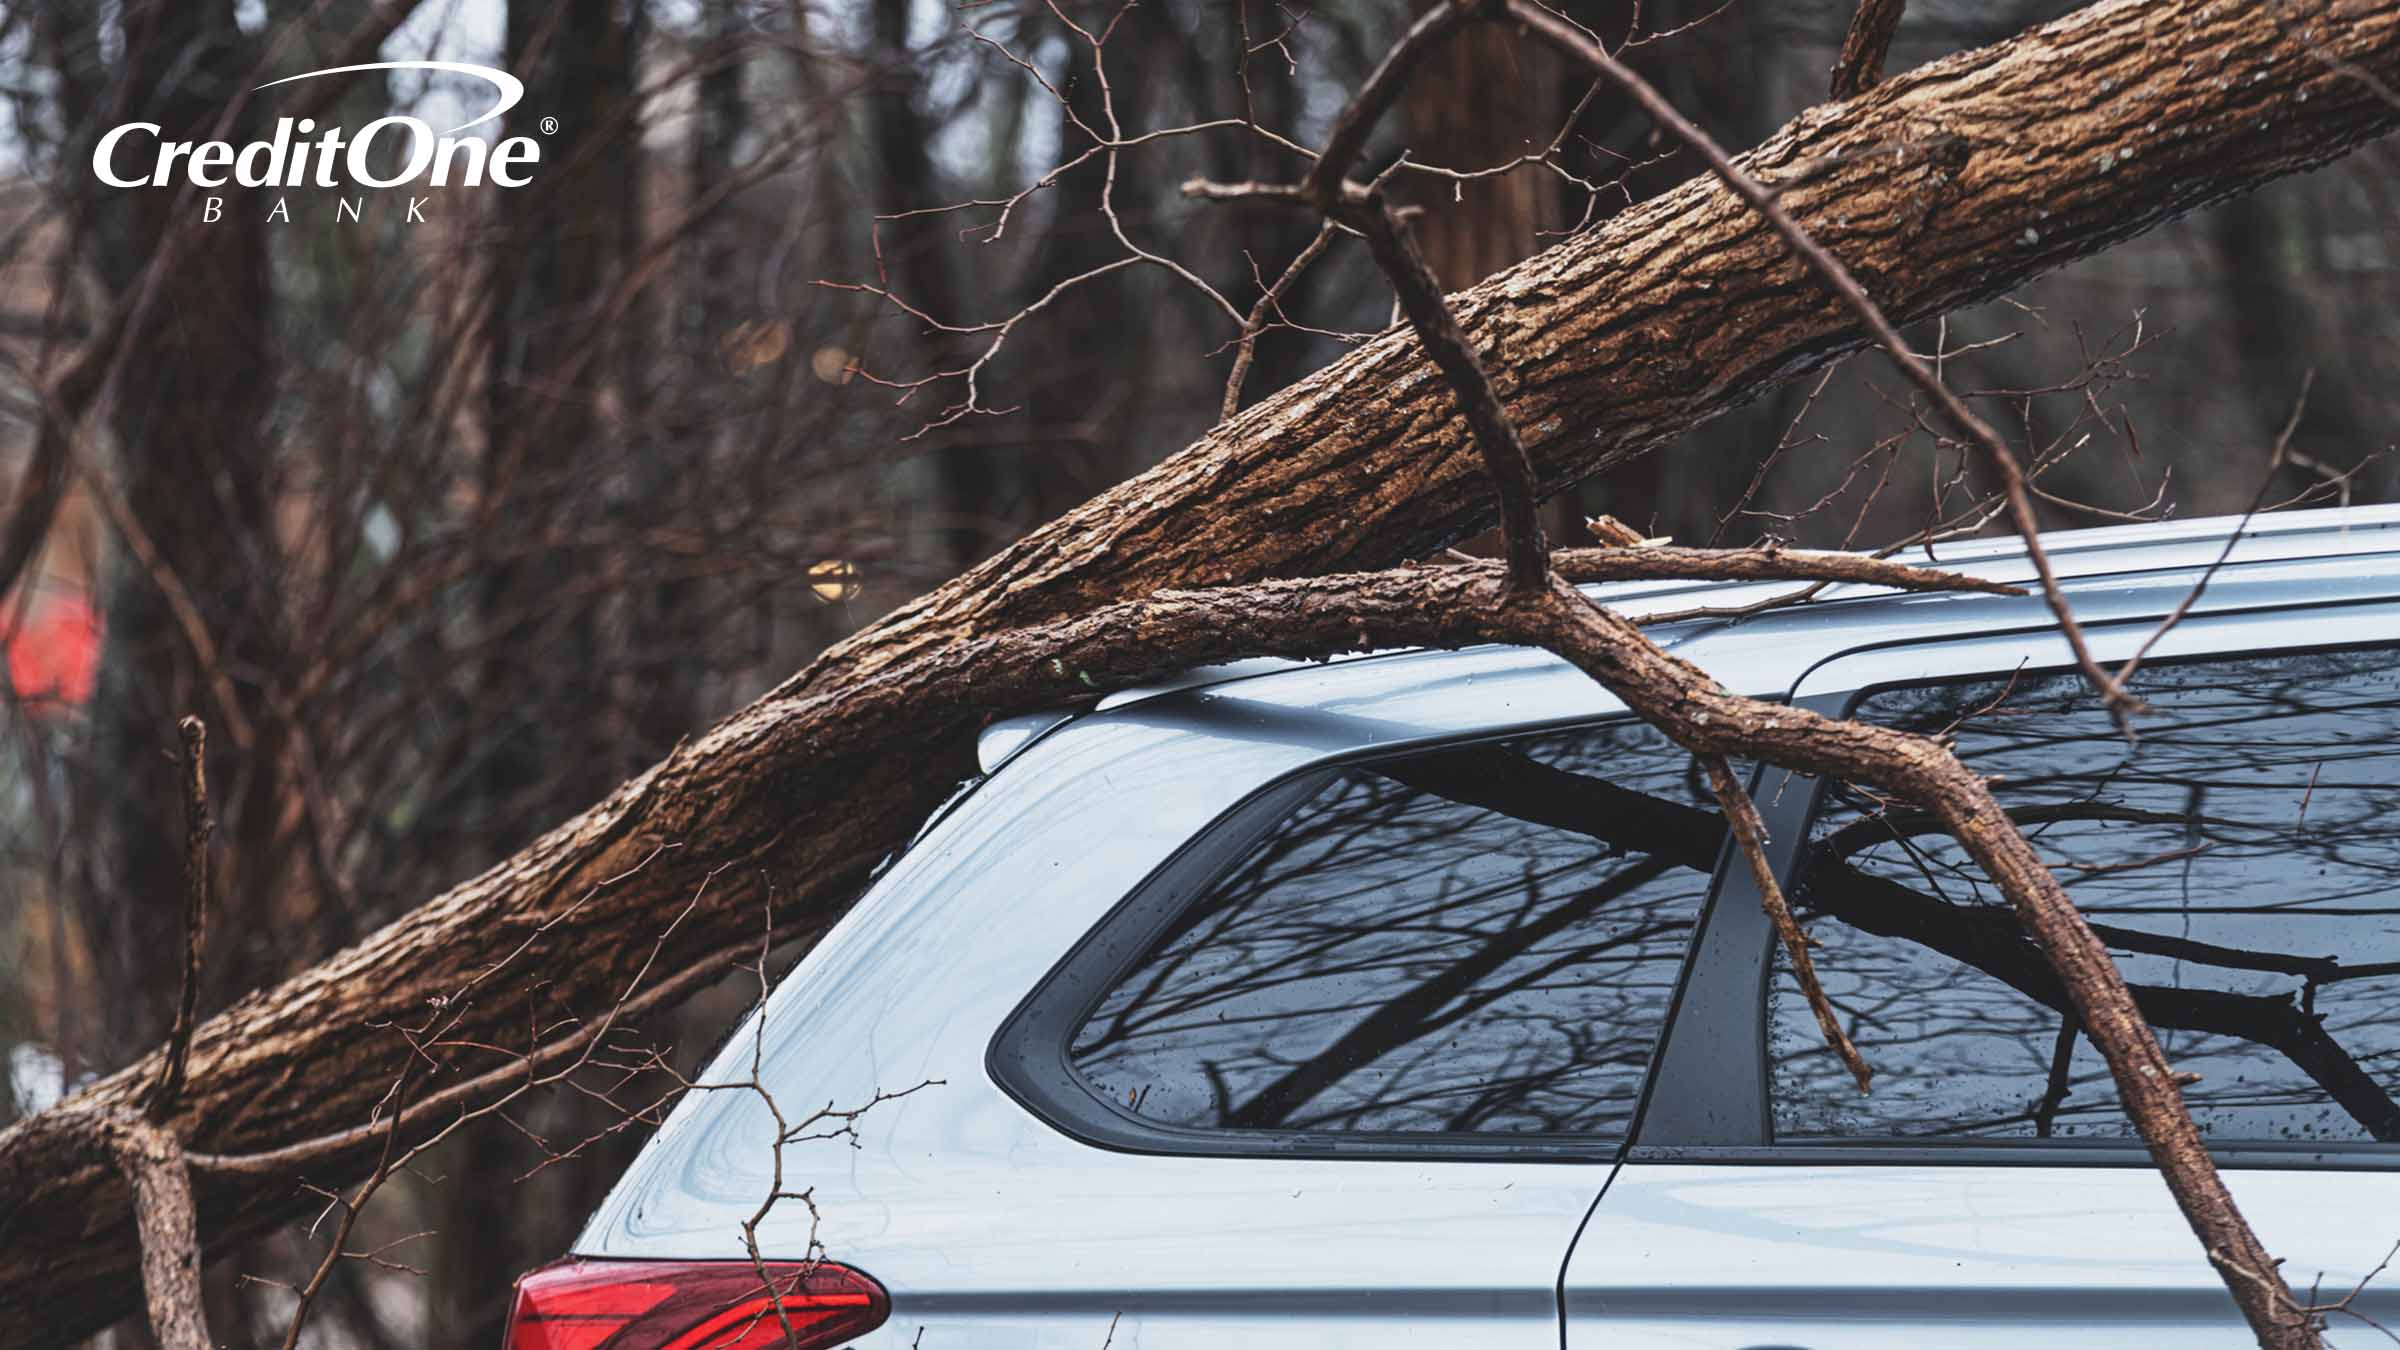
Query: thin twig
(1750, 833)
(2283, 445)
(351, 1208)
(1270, 302)
(197, 827)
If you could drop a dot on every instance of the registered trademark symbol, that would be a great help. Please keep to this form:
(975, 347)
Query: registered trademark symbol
(549, 126)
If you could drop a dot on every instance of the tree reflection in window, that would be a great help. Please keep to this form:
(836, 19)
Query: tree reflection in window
(2241, 860)
(1447, 942)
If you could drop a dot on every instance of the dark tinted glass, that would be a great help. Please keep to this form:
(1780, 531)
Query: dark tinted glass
(1480, 939)
(2241, 861)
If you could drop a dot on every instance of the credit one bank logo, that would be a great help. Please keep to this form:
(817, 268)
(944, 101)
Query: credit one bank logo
(390, 152)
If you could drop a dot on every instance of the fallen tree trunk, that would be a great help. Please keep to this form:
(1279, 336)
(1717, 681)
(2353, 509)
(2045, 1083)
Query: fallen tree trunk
(1945, 185)
(1949, 184)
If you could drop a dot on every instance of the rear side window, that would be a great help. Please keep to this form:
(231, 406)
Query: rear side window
(1478, 940)
(2241, 860)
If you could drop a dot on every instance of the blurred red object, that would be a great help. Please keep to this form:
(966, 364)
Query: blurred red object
(53, 655)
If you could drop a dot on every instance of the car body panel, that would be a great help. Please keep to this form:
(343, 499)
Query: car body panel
(992, 1227)
(989, 1226)
(1718, 1257)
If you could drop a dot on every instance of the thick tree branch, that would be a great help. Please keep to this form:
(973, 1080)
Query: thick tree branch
(170, 1230)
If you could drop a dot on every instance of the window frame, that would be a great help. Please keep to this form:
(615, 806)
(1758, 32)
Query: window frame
(1725, 1114)
(1028, 1056)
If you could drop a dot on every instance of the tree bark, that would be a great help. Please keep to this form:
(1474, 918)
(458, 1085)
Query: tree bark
(152, 1164)
(1945, 185)
(1860, 66)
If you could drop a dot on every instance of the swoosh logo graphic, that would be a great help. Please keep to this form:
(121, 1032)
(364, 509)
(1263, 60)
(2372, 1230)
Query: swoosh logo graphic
(512, 89)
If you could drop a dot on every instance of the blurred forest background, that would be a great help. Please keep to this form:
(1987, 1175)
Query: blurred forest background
(448, 526)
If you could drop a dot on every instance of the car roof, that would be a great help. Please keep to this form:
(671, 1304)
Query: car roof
(2083, 560)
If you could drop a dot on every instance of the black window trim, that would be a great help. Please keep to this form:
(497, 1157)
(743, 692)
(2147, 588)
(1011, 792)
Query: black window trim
(1789, 813)
(1027, 1056)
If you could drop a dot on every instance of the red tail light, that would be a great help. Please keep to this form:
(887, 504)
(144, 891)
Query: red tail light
(693, 1305)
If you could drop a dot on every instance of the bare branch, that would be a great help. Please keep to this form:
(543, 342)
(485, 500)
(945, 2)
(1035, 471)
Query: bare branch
(170, 1232)
(1860, 66)
(1668, 563)
(1750, 834)
(1270, 302)
(197, 827)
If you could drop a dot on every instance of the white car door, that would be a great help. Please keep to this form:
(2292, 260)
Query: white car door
(2241, 859)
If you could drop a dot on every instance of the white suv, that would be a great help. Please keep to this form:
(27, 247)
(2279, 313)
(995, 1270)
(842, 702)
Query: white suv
(1410, 999)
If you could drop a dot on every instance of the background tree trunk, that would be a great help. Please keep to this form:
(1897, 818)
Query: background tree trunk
(1482, 100)
(916, 249)
(555, 378)
(194, 481)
